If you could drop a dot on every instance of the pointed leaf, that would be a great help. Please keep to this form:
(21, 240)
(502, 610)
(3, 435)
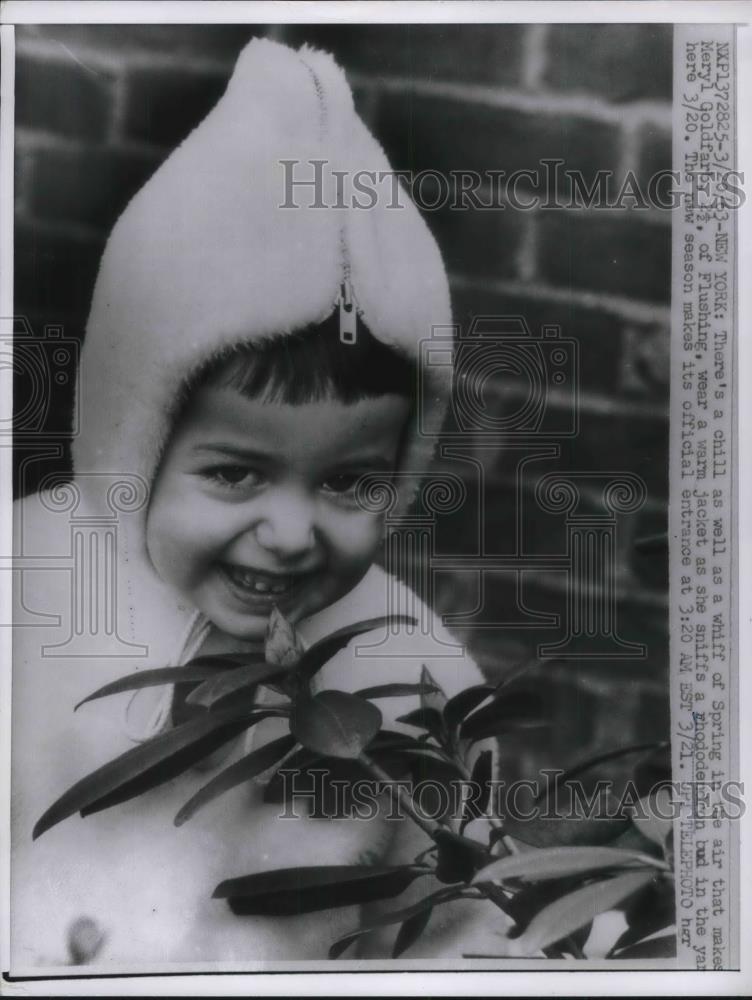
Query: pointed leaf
(335, 723)
(289, 891)
(391, 690)
(649, 817)
(425, 718)
(146, 766)
(232, 681)
(601, 758)
(572, 823)
(432, 696)
(283, 647)
(396, 916)
(506, 713)
(313, 659)
(410, 931)
(200, 669)
(654, 769)
(522, 668)
(242, 770)
(557, 862)
(534, 896)
(459, 857)
(384, 748)
(578, 908)
(462, 704)
(650, 911)
(657, 947)
(474, 808)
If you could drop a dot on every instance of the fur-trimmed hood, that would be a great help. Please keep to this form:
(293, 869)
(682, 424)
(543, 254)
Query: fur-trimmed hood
(206, 256)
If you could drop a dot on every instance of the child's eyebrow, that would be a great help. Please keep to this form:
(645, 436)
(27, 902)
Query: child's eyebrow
(374, 461)
(232, 451)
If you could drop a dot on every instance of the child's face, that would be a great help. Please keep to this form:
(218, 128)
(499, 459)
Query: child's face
(254, 504)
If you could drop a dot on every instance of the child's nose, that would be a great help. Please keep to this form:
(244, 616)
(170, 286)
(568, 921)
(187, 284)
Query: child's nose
(287, 527)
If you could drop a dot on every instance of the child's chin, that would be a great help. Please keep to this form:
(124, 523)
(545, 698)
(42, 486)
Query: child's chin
(248, 627)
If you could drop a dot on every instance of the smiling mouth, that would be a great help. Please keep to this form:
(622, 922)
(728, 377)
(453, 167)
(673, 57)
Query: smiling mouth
(259, 585)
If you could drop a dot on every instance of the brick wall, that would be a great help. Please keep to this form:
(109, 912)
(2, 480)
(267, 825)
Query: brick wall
(99, 107)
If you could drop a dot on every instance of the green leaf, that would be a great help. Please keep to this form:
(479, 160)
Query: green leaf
(659, 947)
(200, 669)
(506, 713)
(396, 916)
(653, 769)
(557, 862)
(231, 682)
(283, 647)
(459, 857)
(571, 826)
(385, 748)
(480, 778)
(651, 824)
(650, 911)
(601, 758)
(533, 897)
(290, 891)
(335, 723)
(390, 690)
(313, 659)
(242, 770)
(573, 911)
(458, 707)
(425, 718)
(410, 931)
(146, 766)
(432, 696)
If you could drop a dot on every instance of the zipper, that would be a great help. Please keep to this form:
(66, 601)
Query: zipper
(345, 302)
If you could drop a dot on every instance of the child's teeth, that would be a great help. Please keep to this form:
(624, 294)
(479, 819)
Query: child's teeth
(252, 582)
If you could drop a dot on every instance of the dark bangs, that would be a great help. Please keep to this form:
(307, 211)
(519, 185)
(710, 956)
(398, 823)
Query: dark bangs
(313, 364)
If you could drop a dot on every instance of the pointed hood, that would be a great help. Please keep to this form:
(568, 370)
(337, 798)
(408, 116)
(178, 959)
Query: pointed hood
(210, 253)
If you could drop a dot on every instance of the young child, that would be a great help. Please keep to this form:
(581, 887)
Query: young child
(244, 364)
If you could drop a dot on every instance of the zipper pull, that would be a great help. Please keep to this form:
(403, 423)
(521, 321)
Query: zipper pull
(348, 317)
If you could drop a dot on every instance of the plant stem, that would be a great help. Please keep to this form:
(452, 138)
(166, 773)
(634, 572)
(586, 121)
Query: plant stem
(494, 821)
(428, 826)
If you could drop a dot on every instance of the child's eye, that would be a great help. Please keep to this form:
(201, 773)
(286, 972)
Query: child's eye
(342, 483)
(233, 476)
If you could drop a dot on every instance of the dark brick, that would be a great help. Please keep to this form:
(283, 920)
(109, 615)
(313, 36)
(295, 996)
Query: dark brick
(54, 274)
(488, 53)
(163, 106)
(22, 168)
(655, 158)
(62, 96)
(427, 133)
(606, 254)
(608, 443)
(92, 187)
(476, 242)
(220, 41)
(598, 334)
(618, 62)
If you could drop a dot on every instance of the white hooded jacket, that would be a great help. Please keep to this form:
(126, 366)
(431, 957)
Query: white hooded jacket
(202, 259)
